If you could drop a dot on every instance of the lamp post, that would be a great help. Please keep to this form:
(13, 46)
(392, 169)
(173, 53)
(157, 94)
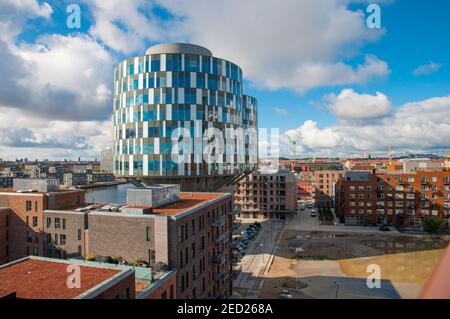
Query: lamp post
(337, 288)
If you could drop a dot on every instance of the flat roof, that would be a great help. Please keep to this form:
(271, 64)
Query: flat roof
(45, 278)
(187, 202)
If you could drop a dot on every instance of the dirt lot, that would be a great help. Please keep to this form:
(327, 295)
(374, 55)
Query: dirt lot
(318, 265)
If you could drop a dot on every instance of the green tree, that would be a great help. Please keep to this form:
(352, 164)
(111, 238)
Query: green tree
(432, 225)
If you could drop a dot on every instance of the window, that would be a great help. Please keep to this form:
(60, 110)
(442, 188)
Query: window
(29, 236)
(49, 222)
(63, 223)
(35, 221)
(149, 234)
(151, 257)
(36, 206)
(62, 239)
(79, 234)
(28, 205)
(57, 223)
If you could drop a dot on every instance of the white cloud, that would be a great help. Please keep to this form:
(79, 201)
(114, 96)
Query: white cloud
(349, 105)
(299, 45)
(56, 98)
(309, 135)
(125, 26)
(426, 69)
(420, 126)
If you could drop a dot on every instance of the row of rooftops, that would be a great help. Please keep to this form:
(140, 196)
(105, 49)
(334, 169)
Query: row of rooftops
(46, 278)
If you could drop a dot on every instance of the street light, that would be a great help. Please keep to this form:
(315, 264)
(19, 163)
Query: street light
(337, 288)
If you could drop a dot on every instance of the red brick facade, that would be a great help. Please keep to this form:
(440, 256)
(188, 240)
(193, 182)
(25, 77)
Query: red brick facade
(398, 198)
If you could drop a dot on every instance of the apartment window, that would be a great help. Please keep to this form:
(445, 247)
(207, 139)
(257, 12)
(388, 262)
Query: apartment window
(128, 293)
(149, 233)
(62, 239)
(182, 283)
(63, 223)
(181, 259)
(151, 257)
(56, 239)
(193, 250)
(193, 273)
(35, 251)
(57, 223)
(35, 221)
(193, 227)
(7, 235)
(7, 220)
(49, 222)
(79, 234)
(29, 237)
(28, 205)
(36, 206)
(79, 250)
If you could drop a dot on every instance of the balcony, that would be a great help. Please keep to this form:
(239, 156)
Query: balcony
(219, 222)
(218, 259)
(222, 239)
(222, 275)
(235, 212)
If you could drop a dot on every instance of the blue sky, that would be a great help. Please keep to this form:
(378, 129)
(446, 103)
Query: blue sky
(320, 75)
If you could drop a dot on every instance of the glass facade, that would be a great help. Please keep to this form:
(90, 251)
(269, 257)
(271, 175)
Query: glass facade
(159, 95)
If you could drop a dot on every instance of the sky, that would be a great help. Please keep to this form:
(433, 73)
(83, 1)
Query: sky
(321, 76)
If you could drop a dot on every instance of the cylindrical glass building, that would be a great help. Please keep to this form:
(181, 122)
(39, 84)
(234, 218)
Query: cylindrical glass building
(177, 88)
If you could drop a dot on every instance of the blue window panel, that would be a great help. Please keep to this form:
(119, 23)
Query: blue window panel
(151, 80)
(131, 69)
(145, 99)
(206, 65)
(135, 84)
(157, 97)
(141, 67)
(201, 81)
(169, 96)
(155, 64)
(148, 149)
(192, 63)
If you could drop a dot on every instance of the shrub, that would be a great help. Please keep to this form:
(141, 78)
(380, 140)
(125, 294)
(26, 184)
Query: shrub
(432, 225)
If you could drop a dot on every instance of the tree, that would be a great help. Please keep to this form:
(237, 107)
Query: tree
(432, 225)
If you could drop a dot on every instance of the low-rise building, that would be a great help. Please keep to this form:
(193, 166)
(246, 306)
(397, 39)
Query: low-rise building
(190, 235)
(266, 195)
(324, 187)
(75, 179)
(26, 224)
(394, 197)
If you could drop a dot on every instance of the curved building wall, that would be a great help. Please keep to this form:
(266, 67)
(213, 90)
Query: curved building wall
(180, 86)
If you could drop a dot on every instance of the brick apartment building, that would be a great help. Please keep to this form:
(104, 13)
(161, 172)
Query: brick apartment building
(191, 235)
(266, 195)
(324, 187)
(396, 197)
(5, 214)
(25, 221)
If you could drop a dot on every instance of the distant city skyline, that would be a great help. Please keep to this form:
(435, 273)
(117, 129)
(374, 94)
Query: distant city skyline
(327, 81)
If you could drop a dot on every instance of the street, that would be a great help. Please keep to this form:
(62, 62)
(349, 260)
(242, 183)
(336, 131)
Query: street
(257, 260)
